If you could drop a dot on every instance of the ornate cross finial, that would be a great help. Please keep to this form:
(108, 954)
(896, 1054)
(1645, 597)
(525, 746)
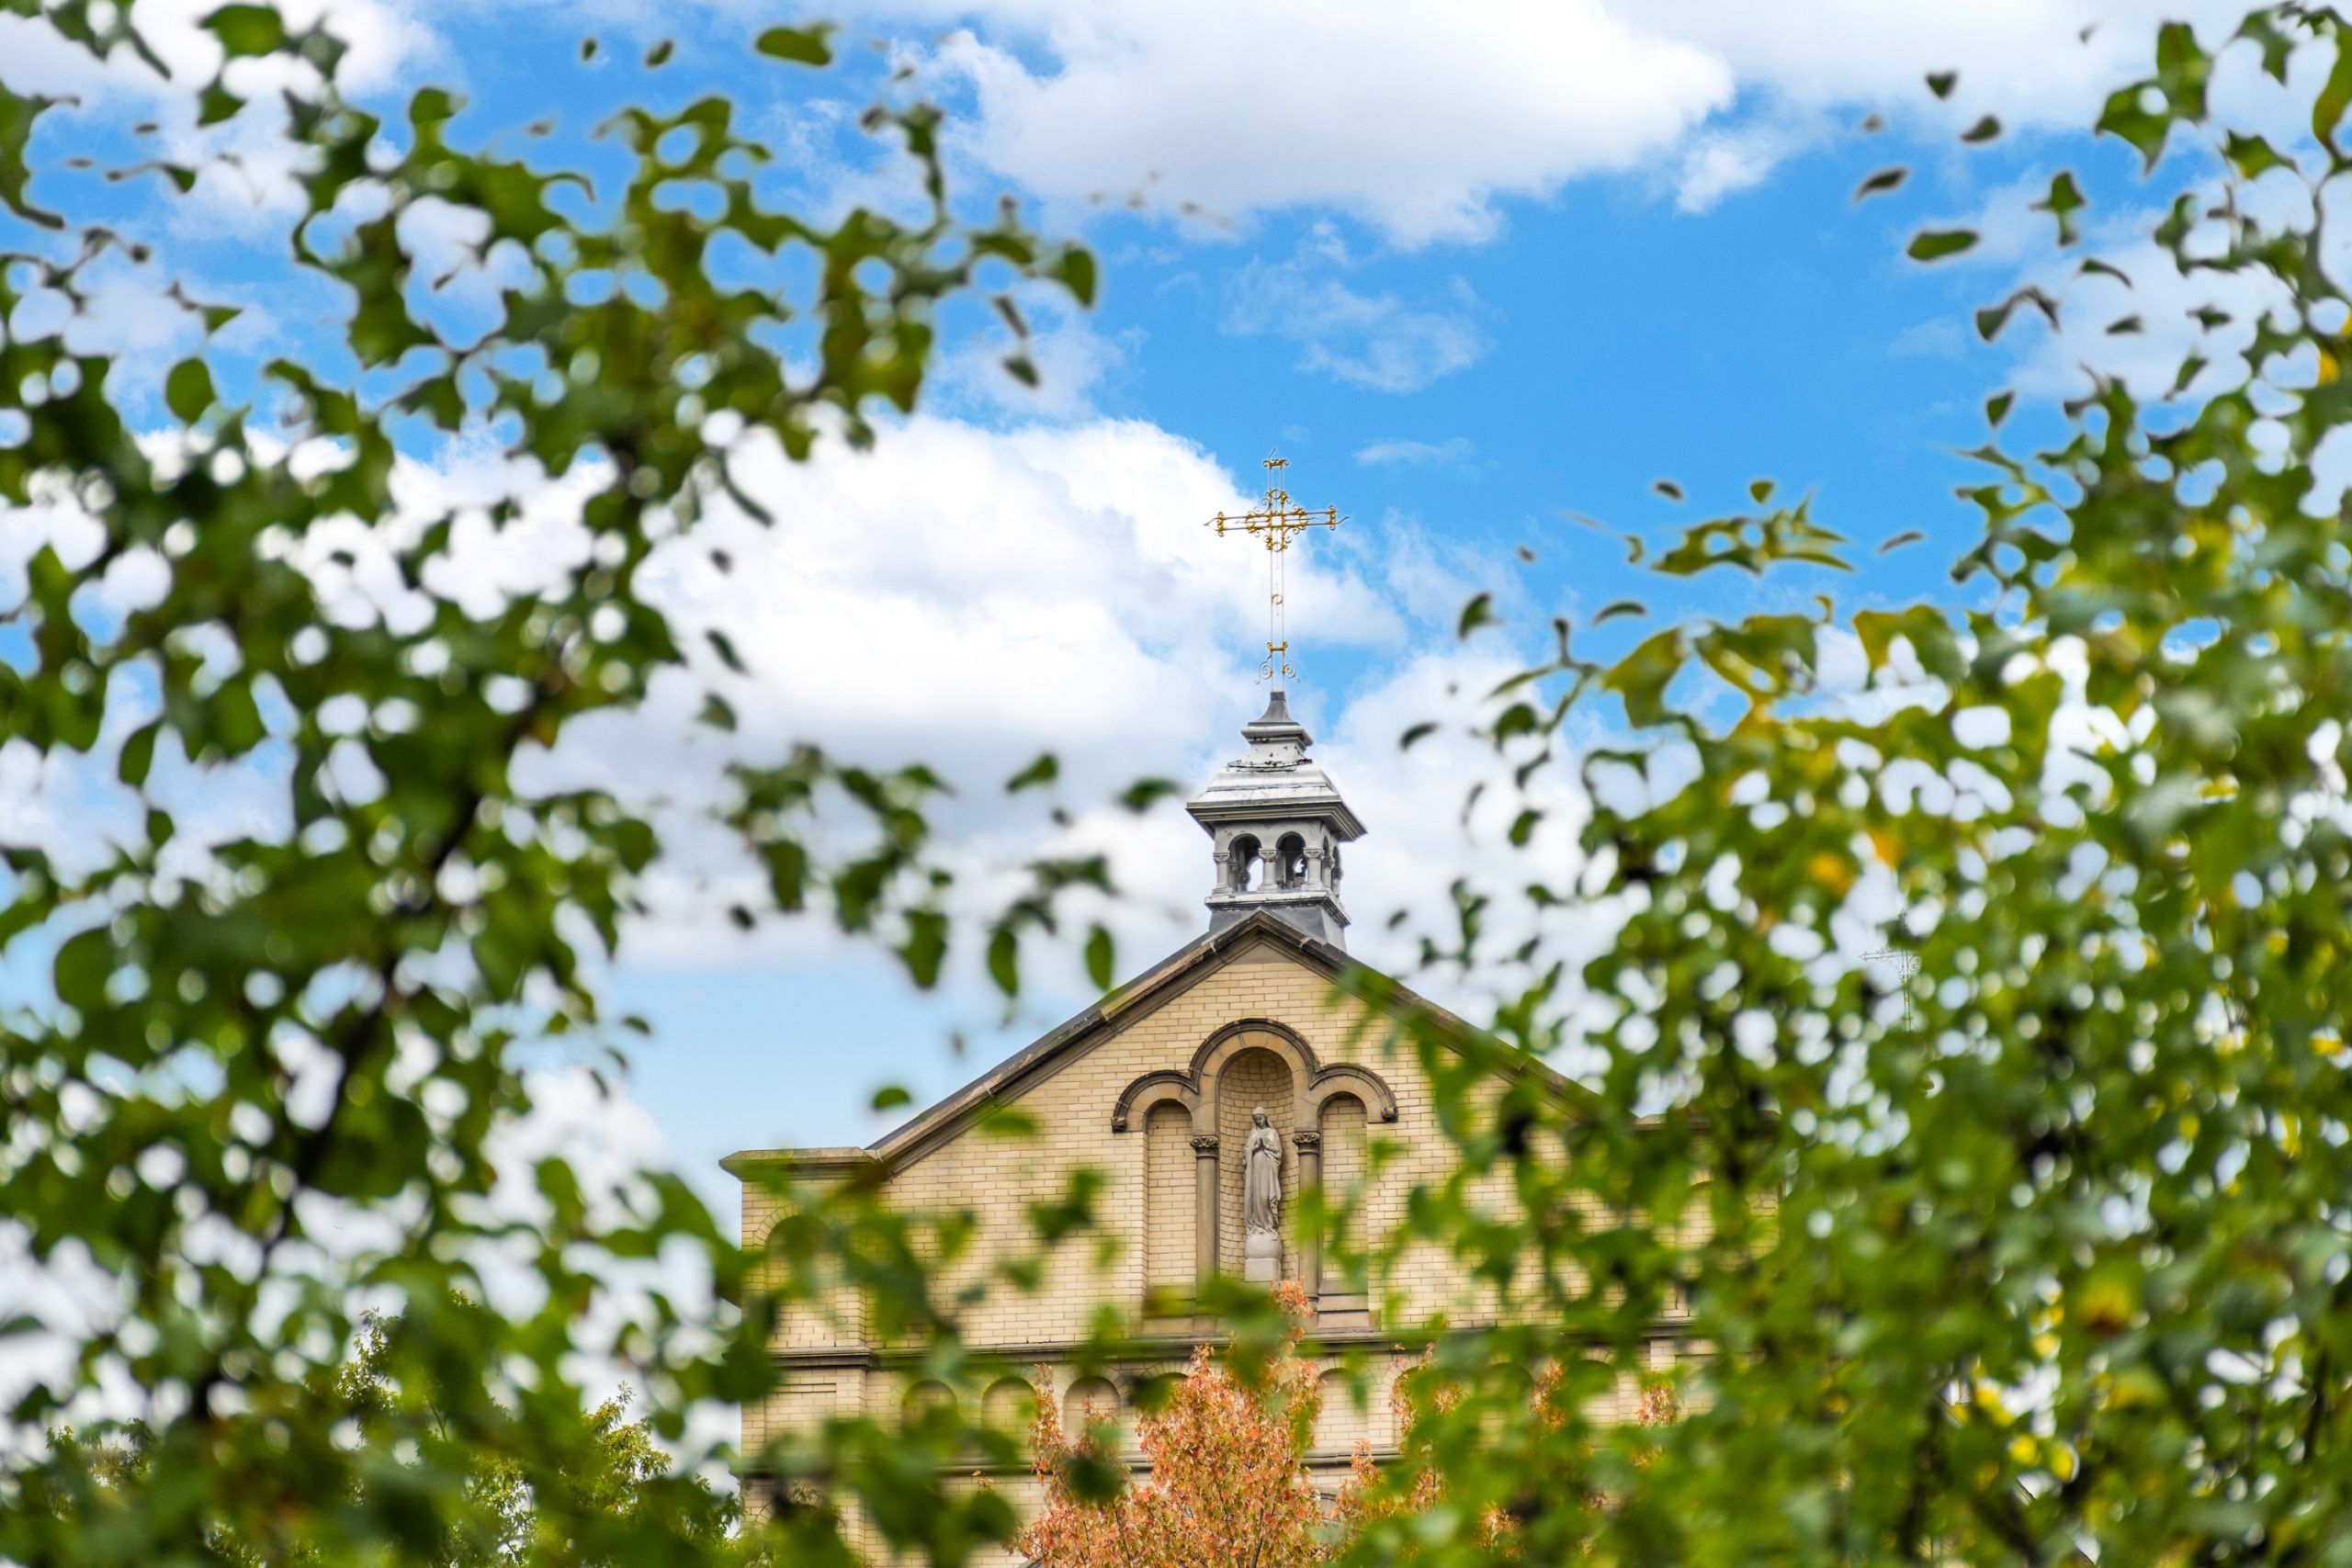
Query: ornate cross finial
(1275, 522)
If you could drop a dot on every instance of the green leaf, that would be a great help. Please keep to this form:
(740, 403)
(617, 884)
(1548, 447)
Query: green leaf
(2128, 116)
(717, 711)
(1043, 769)
(2064, 200)
(1642, 675)
(1100, 960)
(1004, 960)
(1478, 611)
(925, 946)
(1986, 130)
(187, 390)
(216, 103)
(1075, 270)
(2277, 48)
(1884, 180)
(18, 115)
(1941, 83)
(84, 963)
(1415, 734)
(139, 754)
(1996, 407)
(247, 30)
(1991, 319)
(890, 1096)
(1934, 244)
(802, 45)
(1142, 794)
(2252, 156)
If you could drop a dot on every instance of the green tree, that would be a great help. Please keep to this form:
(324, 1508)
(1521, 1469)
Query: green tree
(629, 1475)
(253, 1050)
(2049, 1254)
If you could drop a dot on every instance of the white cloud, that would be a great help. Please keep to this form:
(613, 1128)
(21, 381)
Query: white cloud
(1423, 121)
(1718, 164)
(1416, 454)
(1376, 341)
(1414, 117)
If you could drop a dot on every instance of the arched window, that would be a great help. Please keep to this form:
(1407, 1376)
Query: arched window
(1010, 1405)
(1346, 1164)
(1170, 1207)
(1290, 862)
(1242, 865)
(1089, 1402)
(926, 1398)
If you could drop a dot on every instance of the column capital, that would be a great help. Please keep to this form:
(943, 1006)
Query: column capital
(1204, 1144)
(1308, 1140)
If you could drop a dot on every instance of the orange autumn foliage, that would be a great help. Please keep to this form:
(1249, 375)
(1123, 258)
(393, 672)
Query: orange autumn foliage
(1228, 1484)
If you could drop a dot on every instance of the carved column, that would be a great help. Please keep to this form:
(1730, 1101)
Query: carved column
(1310, 1175)
(1204, 1208)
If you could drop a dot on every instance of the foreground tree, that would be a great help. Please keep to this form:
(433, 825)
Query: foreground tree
(269, 1074)
(630, 1478)
(2053, 1259)
(2049, 1254)
(1228, 1479)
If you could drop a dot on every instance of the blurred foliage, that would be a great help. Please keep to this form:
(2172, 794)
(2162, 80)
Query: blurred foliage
(2042, 1253)
(2046, 1254)
(265, 1086)
(632, 1481)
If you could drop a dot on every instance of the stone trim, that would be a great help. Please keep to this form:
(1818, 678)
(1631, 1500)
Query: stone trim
(1312, 1086)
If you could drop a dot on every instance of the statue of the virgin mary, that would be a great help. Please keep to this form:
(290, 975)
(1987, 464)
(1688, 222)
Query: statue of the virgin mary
(1261, 1176)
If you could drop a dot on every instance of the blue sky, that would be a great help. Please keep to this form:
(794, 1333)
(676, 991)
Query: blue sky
(1476, 273)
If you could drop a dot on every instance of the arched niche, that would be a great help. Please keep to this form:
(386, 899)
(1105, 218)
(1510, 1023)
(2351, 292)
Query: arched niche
(1280, 1071)
(1089, 1402)
(1345, 1141)
(1010, 1405)
(924, 1400)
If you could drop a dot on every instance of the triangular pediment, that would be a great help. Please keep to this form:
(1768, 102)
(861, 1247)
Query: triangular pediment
(1260, 940)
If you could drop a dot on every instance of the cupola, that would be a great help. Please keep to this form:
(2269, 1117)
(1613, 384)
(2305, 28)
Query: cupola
(1275, 822)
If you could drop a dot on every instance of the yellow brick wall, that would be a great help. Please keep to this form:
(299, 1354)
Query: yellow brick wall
(1148, 1174)
(1169, 1204)
(1345, 1166)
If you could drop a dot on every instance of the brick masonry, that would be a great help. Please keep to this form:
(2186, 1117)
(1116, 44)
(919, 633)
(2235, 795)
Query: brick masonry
(830, 1362)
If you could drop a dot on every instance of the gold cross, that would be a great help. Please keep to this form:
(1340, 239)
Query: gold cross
(1276, 521)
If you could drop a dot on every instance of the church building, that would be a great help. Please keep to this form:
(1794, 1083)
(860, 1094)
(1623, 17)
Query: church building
(1209, 1091)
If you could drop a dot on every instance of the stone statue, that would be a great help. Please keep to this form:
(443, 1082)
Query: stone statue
(1261, 1170)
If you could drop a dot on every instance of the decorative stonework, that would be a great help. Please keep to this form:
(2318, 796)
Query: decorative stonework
(1288, 1108)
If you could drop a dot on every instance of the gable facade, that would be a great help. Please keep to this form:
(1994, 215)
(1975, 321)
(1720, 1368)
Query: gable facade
(1156, 1089)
